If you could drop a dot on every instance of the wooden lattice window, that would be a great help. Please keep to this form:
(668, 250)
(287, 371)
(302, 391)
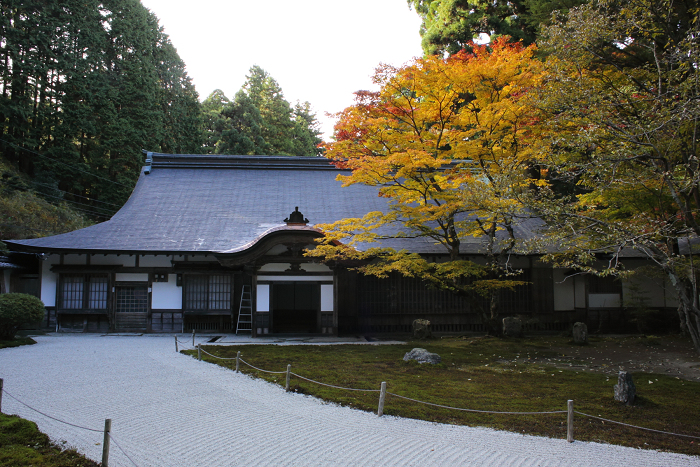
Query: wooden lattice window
(132, 298)
(84, 292)
(207, 292)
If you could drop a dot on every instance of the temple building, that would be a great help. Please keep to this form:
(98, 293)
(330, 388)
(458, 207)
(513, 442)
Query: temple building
(216, 244)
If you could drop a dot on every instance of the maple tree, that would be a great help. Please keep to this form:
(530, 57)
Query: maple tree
(622, 96)
(442, 141)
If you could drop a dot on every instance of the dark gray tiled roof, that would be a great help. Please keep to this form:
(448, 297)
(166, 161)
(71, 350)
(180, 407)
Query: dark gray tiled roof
(223, 203)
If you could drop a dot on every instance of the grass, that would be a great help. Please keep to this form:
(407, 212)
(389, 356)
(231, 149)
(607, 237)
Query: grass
(486, 374)
(22, 444)
(16, 342)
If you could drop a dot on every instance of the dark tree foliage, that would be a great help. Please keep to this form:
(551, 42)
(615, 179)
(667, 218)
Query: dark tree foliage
(84, 86)
(243, 131)
(450, 25)
(214, 122)
(260, 121)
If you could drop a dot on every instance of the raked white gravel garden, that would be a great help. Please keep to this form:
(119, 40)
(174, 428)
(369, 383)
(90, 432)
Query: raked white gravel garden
(170, 410)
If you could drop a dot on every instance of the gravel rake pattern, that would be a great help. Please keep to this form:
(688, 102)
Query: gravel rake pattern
(170, 410)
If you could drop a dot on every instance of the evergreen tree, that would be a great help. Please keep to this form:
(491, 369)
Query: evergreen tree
(213, 122)
(259, 121)
(451, 25)
(306, 132)
(276, 113)
(243, 129)
(85, 85)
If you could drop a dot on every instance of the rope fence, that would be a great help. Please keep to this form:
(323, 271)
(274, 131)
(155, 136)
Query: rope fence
(473, 410)
(107, 430)
(334, 387)
(383, 393)
(638, 427)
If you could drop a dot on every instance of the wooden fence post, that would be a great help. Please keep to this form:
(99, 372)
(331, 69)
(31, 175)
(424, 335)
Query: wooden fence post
(238, 358)
(176, 344)
(193, 338)
(570, 421)
(199, 352)
(382, 396)
(105, 444)
(1, 383)
(289, 370)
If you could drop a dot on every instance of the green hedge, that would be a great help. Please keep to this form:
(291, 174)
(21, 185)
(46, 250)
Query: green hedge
(17, 309)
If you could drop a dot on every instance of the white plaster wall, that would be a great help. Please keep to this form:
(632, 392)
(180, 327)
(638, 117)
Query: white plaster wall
(604, 300)
(564, 291)
(167, 295)
(155, 261)
(102, 260)
(262, 298)
(130, 277)
(49, 281)
(73, 259)
(326, 297)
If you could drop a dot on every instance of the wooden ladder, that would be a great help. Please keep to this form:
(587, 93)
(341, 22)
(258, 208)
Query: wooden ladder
(245, 311)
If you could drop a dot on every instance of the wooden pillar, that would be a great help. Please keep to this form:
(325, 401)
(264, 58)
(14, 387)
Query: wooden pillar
(105, 444)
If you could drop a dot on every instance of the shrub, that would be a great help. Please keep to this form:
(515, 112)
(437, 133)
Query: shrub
(17, 309)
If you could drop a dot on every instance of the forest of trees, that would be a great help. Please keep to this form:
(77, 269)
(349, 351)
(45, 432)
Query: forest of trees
(86, 85)
(583, 113)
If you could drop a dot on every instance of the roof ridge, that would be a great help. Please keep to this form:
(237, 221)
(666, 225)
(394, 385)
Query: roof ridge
(221, 161)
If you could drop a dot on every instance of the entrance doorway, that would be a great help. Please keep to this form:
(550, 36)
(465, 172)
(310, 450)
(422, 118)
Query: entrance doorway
(131, 307)
(296, 307)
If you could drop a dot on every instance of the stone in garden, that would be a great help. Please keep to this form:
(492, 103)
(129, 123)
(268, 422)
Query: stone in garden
(422, 356)
(512, 327)
(421, 329)
(625, 390)
(580, 333)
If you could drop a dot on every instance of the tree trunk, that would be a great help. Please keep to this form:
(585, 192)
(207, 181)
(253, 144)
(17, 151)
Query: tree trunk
(688, 310)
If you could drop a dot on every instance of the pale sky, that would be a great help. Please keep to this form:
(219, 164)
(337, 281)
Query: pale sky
(319, 51)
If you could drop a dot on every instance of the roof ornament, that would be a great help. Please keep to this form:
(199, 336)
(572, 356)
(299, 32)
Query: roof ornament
(149, 161)
(296, 218)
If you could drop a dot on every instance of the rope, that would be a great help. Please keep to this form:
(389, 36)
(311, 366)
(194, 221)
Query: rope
(284, 372)
(474, 410)
(185, 344)
(122, 450)
(216, 356)
(635, 426)
(331, 386)
(265, 371)
(49, 416)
